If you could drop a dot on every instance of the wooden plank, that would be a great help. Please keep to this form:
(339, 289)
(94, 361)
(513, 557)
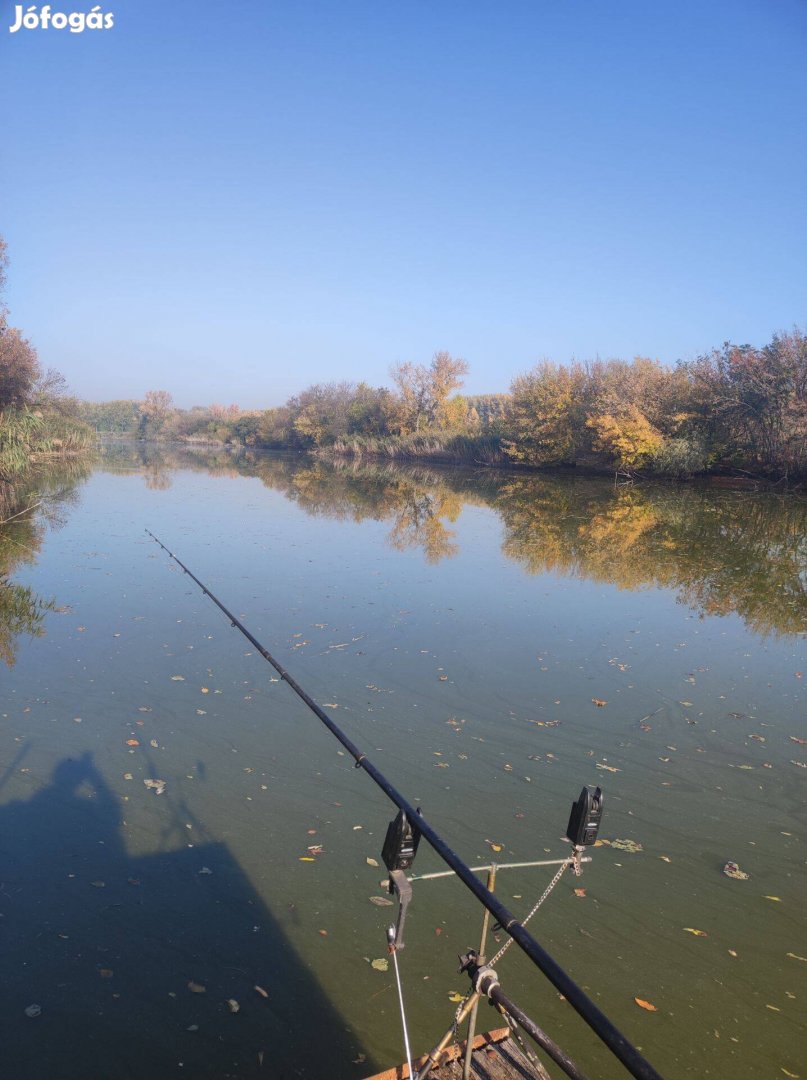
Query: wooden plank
(495, 1057)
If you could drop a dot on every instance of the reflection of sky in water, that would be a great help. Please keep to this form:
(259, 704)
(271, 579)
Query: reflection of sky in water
(378, 625)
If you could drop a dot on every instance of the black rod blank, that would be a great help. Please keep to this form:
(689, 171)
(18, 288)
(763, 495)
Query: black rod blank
(630, 1057)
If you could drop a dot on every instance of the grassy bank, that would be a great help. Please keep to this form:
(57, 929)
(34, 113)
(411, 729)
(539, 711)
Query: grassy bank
(28, 436)
(445, 447)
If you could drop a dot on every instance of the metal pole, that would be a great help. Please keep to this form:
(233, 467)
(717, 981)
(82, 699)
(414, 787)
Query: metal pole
(469, 1046)
(613, 1038)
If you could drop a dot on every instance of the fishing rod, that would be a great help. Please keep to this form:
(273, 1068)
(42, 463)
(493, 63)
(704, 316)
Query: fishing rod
(634, 1062)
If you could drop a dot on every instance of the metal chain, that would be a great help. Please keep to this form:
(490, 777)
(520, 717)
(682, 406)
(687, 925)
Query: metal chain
(547, 891)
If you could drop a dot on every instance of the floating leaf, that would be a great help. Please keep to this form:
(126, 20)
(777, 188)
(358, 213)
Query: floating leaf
(106, 973)
(260, 990)
(732, 870)
(306, 858)
(177, 678)
(795, 956)
(733, 952)
(608, 768)
(454, 996)
(33, 1010)
(371, 862)
(649, 1006)
(697, 933)
(631, 846)
(579, 892)
(196, 988)
(778, 899)
(493, 846)
(233, 1005)
(322, 933)
(665, 858)
(599, 702)
(98, 884)
(380, 901)
(380, 965)
(133, 742)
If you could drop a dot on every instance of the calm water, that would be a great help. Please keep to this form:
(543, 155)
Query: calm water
(460, 625)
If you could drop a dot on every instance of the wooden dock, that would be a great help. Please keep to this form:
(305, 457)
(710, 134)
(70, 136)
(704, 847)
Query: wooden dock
(496, 1056)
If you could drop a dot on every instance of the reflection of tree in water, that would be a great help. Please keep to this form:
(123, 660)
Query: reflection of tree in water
(721, 551)
(106, 943)
(26, 511)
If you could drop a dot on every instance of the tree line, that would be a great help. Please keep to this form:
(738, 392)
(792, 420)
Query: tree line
(738, 407)
(37, 416)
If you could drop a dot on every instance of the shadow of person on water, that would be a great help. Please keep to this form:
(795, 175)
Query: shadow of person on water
(137, 962)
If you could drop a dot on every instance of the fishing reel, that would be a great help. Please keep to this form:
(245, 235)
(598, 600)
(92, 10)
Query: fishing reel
(398, 853)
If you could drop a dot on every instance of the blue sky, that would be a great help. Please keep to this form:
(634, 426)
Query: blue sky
(231, 201)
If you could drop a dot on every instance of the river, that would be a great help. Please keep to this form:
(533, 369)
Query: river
(493, 641)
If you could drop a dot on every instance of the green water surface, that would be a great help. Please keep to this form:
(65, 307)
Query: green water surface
(493, 641)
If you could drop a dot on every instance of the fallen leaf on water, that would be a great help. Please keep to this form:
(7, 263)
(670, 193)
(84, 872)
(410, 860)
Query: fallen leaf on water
(454, 996)
(196, 988)
(205, 690)
(233, 1005)
(33, 1010)
(795, 956)
(98, 884)
(579, 892)
(599, 702)
(260, 990)
(796, 739)
(380, 965)
(732, 870)
(645, 1005)
(380, 901)
(371, 862)
(106, 973)
(322, 933)
(438, 931)
(794, 1075)
(697, 933)
(608, 768)
(665, 858)
(306, 858)
(631, 846)
(733, 952)
(177, 678)
(493, 846)
(778, 899)
(133, 742)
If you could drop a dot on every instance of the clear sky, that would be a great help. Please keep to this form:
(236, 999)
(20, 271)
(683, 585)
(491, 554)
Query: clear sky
(234, 200)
